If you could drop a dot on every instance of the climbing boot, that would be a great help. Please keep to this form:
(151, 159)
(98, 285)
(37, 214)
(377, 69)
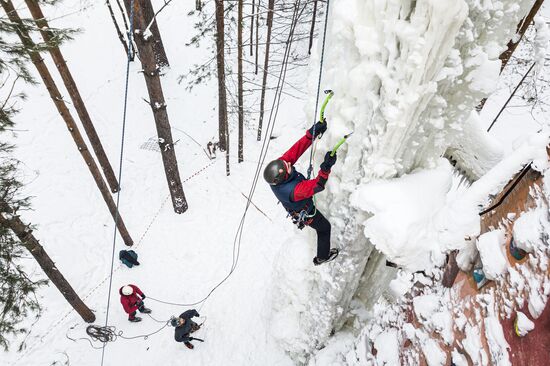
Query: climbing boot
(145, 310)
(332, 255)
(135, 319)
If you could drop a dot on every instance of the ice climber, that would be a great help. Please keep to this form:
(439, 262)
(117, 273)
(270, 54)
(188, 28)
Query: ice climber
(185, 326)
(295, 192)
(131, 298)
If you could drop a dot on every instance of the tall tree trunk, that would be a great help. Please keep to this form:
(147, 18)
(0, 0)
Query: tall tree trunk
(158, 47)
(117, 28)
(220, 63)
(24, 233)
(257, 35)
(271, 5)
(312, 30)
(151, 74)
(57, 99)
(240, 79)
(512, 45)
(123, 16)
(78, 103)
(252, 27)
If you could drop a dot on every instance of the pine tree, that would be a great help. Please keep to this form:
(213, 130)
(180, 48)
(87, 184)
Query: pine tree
(74, 93)
(23, 32)
(270, 12)
(240, 80)
(17, 289)
(151, 73)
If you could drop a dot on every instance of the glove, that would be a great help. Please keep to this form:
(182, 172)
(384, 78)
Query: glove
(328, 162)
(142, 296)
(320, 128)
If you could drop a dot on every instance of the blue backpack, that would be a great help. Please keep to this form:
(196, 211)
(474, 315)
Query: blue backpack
(128, 257)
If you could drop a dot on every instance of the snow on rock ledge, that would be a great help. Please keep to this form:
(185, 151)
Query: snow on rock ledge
(493, 254)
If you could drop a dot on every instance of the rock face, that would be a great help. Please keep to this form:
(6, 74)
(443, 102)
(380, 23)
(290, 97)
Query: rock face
(433, 325)
(407, 76)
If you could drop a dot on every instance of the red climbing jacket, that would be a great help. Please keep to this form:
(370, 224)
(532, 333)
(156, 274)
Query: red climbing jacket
(306, 188)
(130, 302)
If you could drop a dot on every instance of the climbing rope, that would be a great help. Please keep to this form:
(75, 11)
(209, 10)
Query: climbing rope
(93, 290)
(524, 171)
(511, 96)
(312, 152)
(263, 153)
(124, 113)
(108, 332)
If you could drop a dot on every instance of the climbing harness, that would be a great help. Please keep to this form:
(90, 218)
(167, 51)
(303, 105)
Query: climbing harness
(302, 218)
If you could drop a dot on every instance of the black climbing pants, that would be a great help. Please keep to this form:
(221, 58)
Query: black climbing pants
(322, 226)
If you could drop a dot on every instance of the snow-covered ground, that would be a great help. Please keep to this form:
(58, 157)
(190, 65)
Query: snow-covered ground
(405, 83)
(182, 256)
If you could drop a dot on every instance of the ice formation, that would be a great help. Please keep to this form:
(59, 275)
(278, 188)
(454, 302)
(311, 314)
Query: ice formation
(407, 76)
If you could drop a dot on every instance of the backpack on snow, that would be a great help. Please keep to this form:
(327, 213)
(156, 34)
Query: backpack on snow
(128, 257)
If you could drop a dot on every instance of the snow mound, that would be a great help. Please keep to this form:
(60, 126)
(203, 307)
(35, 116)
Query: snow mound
(523, 324)
(403, 210)
(493, 253)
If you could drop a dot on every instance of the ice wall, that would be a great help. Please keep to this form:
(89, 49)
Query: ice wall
(407, 75)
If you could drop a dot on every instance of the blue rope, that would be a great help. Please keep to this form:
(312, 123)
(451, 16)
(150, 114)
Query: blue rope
(310, 168)
(130, 46)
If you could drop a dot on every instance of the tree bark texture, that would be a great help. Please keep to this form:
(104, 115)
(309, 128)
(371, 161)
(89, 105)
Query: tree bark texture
(252, 27)
(220, 63)
(312, 30)
(271, 6)
(24, 233)
(151, 74)
(240, 79)
(57, 99)
(117, 28)
(78, 103)
(257, 36)
(158, 46)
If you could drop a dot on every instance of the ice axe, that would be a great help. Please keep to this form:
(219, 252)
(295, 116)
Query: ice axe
(329, 94)
(340, 143)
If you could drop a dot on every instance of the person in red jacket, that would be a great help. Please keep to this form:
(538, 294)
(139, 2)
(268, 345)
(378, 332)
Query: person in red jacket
(131, 298)
(295, 192)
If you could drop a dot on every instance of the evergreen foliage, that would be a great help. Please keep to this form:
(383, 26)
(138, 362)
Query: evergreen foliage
(17, 289)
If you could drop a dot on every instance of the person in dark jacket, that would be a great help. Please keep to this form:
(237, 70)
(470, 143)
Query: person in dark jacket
(185, 326)
(131, 298)
(295, 192)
